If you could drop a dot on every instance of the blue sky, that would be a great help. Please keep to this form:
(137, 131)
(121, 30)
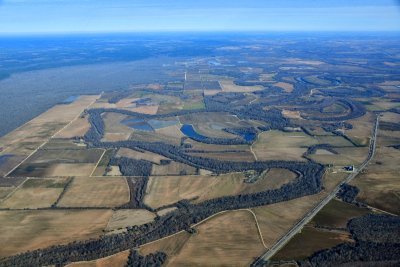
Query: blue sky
(60, 16)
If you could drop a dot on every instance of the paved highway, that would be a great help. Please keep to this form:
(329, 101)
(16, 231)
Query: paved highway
(299, 225)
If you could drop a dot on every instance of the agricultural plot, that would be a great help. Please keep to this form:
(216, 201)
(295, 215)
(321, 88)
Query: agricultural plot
(35, 193)
(127, 218)
(28, 230)
(227, 239)
(170, 189)
(95, 192)
(59, 162)
(276, 145)
(117, 260)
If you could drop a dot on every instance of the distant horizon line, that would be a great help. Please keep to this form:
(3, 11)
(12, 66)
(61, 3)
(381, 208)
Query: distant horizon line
(70, 33)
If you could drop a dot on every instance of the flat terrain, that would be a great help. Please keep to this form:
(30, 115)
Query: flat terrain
(170, 189)
(124, 218)
(117, 260)
(28, 230)
(95, 192)
(35, 193)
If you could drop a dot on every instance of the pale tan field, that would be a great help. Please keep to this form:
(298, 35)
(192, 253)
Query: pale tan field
(390, 117)
(29, 230)
(124, 218)
(27, 138)
(165, 211)
(276, 145)
(362, 129)
(96, 192)
(347, 156)
(229, 86)
(287, 87)
(171, 245)
(68, 112)
(306, 62)
(230, 156)
(380, 184)
(171, 131)
(126, 102)
(114, 171)
(149, 156)
(114, 129)
(146, 109)
(170, 189)
(229, 239)
(70, 169)
(291, 114)
(35, 193)
(77, 128)
(5, 191)
(116, 260)
(276, 219)
(173, 168)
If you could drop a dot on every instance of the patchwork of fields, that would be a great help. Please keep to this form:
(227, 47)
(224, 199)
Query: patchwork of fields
(212, 168)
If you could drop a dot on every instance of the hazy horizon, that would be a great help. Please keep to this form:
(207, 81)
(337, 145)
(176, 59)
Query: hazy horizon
(19, 17)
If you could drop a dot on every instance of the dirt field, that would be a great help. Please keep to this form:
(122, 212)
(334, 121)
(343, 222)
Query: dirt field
(380, 184)
(277, 145)
(114, 129)
(116, 260)
(291, 114)
(174, 168)
(229, 86)
(170, 189)
(230, 239)
(29, 230)
(149, 156)
(347, 156)
(287, 87)
(124, 218)
(96, 192)
(362, 129)
(77, 128)
(276, 219)
(35, 193)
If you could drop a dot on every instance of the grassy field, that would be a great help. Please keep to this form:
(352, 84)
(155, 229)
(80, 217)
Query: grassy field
(59, 162)
(114, 129)
(35, 193)
(276, 219)
(96, 192)
(116, 260)
(124, 218)
(277, 145)
(77, 128)
(308, 241)
(345, 156)
(380, 184)
(173, 168)
(229, 86)
(336, 214)
(149, 156)
(362, 129)
(28, 230)
(167, 190)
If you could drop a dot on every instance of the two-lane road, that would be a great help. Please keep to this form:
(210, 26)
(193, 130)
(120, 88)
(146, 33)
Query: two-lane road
(300, 224)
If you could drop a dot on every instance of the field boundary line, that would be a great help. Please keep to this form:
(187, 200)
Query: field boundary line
(206, 219)
(13, 191)
(98, 162)
(51, 137)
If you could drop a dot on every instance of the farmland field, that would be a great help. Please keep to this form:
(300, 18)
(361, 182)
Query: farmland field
(229, 152)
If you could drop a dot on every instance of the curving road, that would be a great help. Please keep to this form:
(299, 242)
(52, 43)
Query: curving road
(300, 224)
